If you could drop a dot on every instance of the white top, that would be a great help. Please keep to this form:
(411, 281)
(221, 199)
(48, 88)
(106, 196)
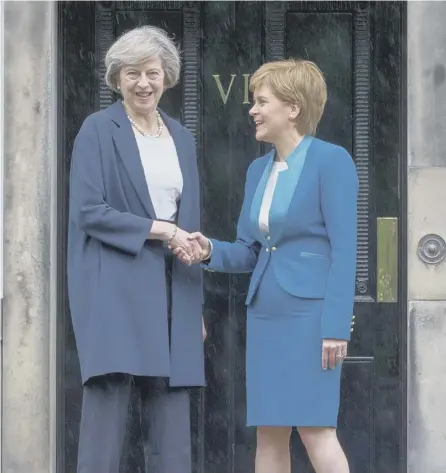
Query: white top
(163, 174)
(277, 167)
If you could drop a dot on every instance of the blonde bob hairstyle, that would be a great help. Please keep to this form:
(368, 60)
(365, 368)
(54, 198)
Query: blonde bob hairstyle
(295, 81)
(137, 46)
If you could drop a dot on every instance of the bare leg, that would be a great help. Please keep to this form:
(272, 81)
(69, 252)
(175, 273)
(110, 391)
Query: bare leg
(323, 448)
(273, 450)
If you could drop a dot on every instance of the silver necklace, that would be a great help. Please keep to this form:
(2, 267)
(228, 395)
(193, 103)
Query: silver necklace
(145, 133)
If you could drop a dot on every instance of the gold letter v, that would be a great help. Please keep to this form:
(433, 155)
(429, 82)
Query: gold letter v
(224, 96)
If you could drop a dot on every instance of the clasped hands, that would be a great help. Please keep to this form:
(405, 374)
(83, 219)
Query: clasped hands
(190, 248)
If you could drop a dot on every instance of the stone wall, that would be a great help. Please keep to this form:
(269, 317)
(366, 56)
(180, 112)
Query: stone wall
(29, 168)
(426, 216)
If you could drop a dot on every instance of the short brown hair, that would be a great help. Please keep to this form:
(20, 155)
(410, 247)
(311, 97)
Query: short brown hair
(295, 81)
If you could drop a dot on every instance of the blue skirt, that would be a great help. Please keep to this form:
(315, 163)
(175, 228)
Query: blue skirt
(285, 383)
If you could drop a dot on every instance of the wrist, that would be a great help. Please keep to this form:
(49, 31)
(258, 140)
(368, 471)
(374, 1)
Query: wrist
(172, 235)
(163, 231)
(208, 253)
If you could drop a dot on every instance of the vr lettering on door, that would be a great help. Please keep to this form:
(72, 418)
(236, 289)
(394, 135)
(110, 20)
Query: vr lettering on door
(225, 86)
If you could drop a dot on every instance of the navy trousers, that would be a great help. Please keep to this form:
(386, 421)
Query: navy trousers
(165, 418)
(165, 424)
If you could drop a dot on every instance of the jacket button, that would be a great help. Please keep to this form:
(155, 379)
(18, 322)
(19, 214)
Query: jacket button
(268, 238)
(267, 250)
(273, 248)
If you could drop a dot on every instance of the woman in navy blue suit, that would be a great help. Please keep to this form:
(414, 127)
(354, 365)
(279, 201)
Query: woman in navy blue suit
(297, 235)
(136, 310)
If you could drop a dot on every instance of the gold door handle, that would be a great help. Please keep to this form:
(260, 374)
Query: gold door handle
(387, 259)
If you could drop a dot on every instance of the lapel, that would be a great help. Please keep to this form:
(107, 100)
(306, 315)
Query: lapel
(286, 189)
(179, 138)
(258, 196)
(125, 141)
(127, 147)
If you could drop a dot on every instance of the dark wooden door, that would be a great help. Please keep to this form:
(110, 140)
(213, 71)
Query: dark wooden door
(359, 48)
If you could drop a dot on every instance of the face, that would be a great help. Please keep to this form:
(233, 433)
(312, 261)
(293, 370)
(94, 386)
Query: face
(273, 118)
(142, 86)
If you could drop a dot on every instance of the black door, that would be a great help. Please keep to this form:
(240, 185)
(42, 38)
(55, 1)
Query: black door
(359, 48)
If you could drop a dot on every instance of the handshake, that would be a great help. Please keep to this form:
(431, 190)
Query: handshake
(189, 248)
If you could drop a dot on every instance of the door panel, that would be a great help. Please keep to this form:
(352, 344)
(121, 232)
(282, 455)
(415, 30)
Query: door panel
(327, 38)
(358, 47)
(228, 148)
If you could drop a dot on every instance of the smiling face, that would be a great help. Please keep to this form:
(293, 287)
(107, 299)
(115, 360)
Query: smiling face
(273, 117)
(142, 86)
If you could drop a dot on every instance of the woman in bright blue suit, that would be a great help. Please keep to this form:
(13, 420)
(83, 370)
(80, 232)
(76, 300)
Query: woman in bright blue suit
(297, 235)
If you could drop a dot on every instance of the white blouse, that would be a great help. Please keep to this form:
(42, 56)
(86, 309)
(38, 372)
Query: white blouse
(163, 174)
(277, 167)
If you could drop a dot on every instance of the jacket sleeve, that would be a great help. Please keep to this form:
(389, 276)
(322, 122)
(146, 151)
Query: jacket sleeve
(241, 255)
(88, 207)
(339, 193)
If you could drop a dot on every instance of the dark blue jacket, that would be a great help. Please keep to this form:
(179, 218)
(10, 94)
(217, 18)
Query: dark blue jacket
(116, 276)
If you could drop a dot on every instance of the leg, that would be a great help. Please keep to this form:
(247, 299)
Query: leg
(165, 427)
(103, 423)
(273, 450)
(324, 450)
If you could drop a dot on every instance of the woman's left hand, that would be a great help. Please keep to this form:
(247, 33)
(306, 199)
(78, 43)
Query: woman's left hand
(333, 353)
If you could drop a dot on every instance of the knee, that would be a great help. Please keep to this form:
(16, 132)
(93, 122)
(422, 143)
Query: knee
(312, 437)
(273, 438)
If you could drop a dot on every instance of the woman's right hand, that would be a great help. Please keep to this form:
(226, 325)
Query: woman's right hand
(203, 244)
(190, 250)
(176, 238)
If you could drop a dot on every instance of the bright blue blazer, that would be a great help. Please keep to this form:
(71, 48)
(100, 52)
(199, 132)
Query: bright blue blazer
(312, 231)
